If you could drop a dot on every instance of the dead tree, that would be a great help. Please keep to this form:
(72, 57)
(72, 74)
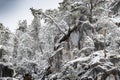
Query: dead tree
(36, 25)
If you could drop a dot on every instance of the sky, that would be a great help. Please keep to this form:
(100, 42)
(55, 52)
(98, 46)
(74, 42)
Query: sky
(11, 11)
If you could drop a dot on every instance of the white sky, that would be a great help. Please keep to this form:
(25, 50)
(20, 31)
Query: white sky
(21, 11)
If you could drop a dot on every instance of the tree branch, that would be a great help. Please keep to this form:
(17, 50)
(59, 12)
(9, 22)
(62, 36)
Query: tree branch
(50, 17)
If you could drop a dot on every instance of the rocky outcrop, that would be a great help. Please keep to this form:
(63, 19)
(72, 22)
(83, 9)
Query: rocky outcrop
(93, 67)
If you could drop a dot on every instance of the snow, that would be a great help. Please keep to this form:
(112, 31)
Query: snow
(116, 19)
(81, 59)
(36, 49)
(0, 46)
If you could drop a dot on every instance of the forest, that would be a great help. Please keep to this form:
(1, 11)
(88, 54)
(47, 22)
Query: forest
(80, 40)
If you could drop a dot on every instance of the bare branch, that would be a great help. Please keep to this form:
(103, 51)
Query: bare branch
(51, 18)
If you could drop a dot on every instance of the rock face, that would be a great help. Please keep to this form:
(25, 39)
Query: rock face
(5, 71)
(79, 41)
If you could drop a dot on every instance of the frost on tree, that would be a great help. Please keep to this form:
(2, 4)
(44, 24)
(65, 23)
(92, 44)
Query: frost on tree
(78, 41)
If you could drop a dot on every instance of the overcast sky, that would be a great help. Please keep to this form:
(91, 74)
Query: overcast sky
(13, 10)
